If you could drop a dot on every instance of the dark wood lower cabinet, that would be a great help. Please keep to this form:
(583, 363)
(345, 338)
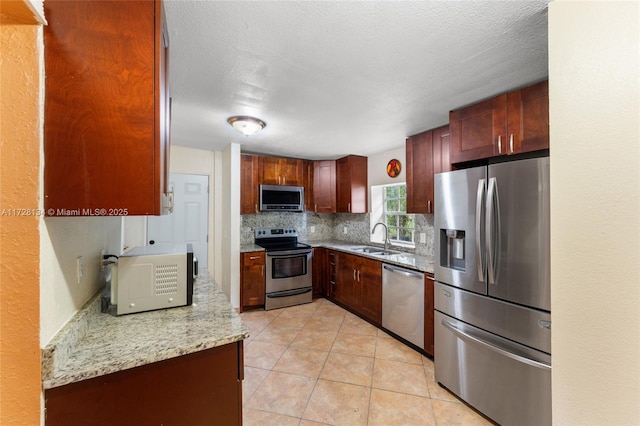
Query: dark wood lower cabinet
(428, 313)
(202, 388)
(357, 285)
(318, 274)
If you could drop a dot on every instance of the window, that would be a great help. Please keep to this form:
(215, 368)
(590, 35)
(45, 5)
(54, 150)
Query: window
(401, 226)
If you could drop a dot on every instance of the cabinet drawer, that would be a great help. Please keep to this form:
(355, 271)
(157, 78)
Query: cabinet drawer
(253, 258)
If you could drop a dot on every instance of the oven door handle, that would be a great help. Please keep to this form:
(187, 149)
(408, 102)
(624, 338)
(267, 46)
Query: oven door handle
(288, 293)
(288, 253)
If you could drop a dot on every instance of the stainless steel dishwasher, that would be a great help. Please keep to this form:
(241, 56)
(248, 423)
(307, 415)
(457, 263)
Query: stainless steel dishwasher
(403, 303)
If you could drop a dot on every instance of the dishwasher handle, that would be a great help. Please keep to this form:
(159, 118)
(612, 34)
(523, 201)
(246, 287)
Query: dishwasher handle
(402, 271)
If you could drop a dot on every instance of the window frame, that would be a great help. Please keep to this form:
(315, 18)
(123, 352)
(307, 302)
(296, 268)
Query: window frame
(398, 214)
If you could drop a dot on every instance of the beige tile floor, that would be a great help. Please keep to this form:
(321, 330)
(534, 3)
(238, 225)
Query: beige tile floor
(319, 364)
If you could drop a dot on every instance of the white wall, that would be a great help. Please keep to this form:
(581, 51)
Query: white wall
(594, 98)
(377, 165)
(231, 223)
(62, 240)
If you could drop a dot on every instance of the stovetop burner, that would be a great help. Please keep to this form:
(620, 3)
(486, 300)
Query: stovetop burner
(278, 239)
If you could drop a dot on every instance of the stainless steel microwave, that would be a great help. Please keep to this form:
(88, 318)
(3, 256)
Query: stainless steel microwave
(281, 198)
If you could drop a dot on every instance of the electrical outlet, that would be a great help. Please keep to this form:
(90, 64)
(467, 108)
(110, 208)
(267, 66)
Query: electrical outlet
(313, 229)
(344, 230)
(79, 269)
(423, 238)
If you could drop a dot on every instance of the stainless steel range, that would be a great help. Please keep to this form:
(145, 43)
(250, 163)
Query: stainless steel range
(289, 267)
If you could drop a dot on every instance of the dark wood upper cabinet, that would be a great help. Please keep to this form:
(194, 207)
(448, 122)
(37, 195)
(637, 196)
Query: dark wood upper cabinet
(248, 184)
(324, 186)
(281, 171)
(507, 124)
(107, 108)
(352, 186)
(427, 154)
(308, 186)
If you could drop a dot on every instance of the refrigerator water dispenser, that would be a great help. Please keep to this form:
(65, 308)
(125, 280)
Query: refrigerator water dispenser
(452, 250)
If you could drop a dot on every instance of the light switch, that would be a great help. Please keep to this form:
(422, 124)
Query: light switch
(423, 238)
(313, 229)
(344, 230)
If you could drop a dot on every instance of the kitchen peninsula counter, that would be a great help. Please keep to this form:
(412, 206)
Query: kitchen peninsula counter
(95, 344)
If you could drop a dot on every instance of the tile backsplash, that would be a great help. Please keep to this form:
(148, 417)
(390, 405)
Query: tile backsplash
(331, 227)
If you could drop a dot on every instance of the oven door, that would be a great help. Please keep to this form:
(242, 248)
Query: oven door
(288, 270)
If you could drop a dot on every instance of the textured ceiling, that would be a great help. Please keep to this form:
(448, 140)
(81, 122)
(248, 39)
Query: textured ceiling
(332, 78)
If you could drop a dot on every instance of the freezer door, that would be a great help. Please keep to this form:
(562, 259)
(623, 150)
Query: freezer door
(506, 381)
(459, 228)
(517, 229)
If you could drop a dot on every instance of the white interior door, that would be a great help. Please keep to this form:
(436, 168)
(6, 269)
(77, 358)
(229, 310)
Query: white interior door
(188, 222)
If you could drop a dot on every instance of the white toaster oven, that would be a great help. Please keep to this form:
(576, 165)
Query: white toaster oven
(154, 277)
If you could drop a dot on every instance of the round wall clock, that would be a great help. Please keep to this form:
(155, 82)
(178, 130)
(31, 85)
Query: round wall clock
(393, 168)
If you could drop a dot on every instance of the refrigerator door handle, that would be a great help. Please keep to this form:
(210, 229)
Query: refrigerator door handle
(480, 198)
(465, 335)
(492, 230)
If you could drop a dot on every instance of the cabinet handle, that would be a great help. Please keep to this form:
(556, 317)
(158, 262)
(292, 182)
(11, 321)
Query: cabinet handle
(254, 257)
(511, 142)
(349, 207)
(354, 274)
(429, 206)
(284, 180)
(358, 275)
(315, 209)
(263, 270)
(499, 144)
(430, 278)
(256, 208)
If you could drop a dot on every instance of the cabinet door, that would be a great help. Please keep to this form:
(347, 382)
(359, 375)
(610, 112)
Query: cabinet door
(528, 118)
(346, 285)
(309, 197)
(248, 184)
(478, 131)
(105, 131)
(269, 171)
(324, 186)
(441, 161)
(252, 279)
(352, 186)
(370, 289)
(420, 171)
(291, 171)
(428, 313)
(319, 263)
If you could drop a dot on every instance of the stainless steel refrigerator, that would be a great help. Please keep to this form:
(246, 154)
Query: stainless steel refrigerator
(492, 293)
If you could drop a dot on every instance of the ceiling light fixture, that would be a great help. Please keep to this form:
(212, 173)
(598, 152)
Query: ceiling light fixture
(246, 125)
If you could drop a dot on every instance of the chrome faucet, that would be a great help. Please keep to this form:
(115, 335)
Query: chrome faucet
(386, 239)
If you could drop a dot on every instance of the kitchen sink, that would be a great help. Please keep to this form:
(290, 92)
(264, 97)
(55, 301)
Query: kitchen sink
(375, 251)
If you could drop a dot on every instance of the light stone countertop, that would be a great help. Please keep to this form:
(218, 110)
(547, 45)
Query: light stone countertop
(93, 343)
(403, 259)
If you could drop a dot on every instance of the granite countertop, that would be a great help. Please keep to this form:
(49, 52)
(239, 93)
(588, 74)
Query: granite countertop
(94, 343)
(403, 259)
